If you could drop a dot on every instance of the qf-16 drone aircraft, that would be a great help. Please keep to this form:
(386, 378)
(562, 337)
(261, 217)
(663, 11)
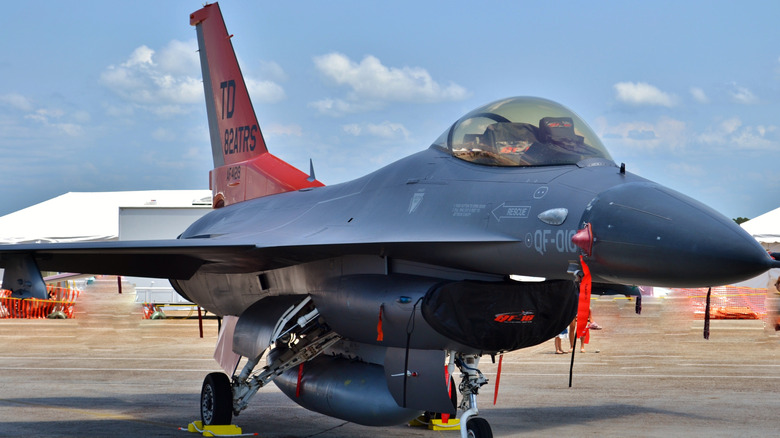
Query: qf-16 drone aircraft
(388, 281)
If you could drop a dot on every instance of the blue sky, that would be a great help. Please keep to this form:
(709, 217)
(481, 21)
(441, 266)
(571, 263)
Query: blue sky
(103, 96)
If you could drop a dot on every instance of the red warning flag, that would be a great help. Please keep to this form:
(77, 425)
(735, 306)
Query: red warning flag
(583, 310)
(498, 378)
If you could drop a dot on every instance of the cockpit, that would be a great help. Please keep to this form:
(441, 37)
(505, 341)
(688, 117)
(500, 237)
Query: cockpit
(522, 131)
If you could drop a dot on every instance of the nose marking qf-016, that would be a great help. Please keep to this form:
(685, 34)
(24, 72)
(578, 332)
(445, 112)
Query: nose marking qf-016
(558, 240)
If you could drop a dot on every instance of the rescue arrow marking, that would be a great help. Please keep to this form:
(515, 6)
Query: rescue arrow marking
(511, 211)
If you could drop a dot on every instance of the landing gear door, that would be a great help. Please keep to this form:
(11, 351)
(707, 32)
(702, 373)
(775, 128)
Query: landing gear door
(255, 327)
(223, 353)
(425, 380)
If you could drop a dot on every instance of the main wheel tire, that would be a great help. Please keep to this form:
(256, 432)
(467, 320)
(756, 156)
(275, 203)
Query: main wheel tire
(478, 428)
(216, 400)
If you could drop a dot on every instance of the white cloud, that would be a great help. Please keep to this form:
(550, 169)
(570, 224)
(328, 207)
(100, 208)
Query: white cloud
(140, 56)
(51, 120)
(45, 114)
(742, 95)
(81, 116)
(168, 82)
(328, 105)
(264, 91)
(755, 138)
(731, 125)
(70, 129)
(17, 101)
(665, 133)
(272, 71)
(726, 135)
(370, 80)
(163, 83)
(642, 93)
(385, 129)
(717, 135)
(338, 107)
(124, 111)
(164, 135)
(352, 129)
(177, 90)
(156, 80)
(732, 133)
(179, 58)
(284, 130)
(691, 170)
(699, 95)
(54, 121)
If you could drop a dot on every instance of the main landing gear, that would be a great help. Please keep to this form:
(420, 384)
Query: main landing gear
(471, 380)
(299, 336)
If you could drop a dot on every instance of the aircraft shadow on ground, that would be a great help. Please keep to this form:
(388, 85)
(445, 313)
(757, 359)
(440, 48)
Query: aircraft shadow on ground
(151, 414)
(98, 416)
(130, 415)
(541, 418)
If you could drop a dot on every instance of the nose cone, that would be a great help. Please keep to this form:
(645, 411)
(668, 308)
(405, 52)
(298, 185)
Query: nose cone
(644, 233)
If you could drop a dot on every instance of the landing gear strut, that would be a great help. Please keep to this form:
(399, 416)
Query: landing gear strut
(471, 380)
(299, 336)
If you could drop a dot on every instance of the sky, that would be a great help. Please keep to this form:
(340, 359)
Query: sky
(107, 96)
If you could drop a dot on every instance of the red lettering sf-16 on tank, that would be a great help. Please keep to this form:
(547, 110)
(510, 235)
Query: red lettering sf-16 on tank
(524, 317)
(236, 139)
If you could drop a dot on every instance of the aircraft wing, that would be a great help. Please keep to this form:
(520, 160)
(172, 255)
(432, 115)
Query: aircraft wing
(181, 258)
(154, 258)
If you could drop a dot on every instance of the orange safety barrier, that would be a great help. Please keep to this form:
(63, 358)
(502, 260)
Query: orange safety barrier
(727, 302)
(60, 299)
(149, 308)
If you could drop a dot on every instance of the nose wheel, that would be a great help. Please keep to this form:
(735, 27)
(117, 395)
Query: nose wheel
(216, 400)
(478, 428)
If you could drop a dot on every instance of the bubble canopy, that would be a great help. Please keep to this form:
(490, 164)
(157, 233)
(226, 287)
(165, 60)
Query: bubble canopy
(522, 131)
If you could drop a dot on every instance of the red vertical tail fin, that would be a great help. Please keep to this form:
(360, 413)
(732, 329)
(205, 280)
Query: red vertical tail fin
(243, 168)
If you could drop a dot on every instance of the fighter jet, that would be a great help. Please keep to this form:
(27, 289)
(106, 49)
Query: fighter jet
(360, 300)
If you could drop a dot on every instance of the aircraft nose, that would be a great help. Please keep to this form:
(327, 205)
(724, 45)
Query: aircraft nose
(644, 233)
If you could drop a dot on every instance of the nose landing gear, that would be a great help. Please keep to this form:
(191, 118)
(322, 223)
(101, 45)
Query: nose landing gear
(471, 380)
